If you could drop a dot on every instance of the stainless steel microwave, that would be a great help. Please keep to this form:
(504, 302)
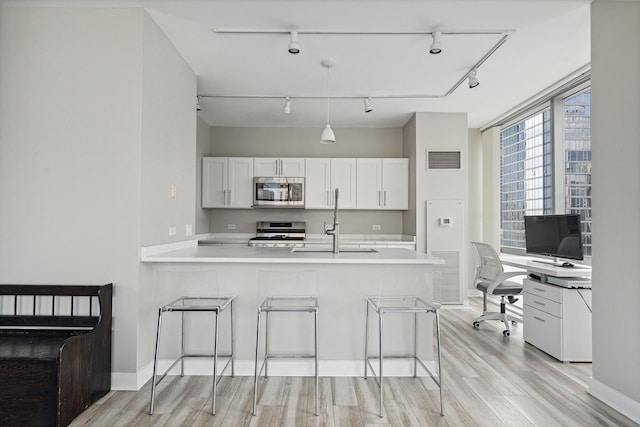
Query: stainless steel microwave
(275, 192)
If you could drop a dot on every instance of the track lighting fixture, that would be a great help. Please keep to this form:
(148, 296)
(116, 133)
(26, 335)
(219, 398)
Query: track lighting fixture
(367, 105)
(287, 106)
(294, 46)
(473, 80)
(328, 137)
(436, 45)
(198, 107)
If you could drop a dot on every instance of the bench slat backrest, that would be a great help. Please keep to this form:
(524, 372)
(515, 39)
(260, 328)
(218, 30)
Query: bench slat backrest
(49, 306)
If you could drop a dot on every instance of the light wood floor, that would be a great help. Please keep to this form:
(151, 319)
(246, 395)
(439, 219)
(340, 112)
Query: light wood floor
(489, 380)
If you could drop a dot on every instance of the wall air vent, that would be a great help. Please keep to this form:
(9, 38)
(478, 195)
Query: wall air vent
(446, 160)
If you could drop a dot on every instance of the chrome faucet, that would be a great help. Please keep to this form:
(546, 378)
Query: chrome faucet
(335, 230)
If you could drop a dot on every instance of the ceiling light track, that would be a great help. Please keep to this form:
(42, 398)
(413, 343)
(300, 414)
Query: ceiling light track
(473, 69)
(361, 33)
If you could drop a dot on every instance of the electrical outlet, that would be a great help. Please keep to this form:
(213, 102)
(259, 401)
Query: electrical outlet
(377, 227)
(231, 226)
(173, 191)
(172, 231)
(188, 230)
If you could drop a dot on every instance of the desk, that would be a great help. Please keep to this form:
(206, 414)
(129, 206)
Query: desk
(543, 270)
(557, 320)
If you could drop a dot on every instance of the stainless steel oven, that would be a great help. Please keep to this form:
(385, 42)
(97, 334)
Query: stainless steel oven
(274, 192)
(279, 234)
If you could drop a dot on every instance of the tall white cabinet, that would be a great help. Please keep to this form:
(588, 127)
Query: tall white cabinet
(382, 184)
(227, 182)
(323, 176)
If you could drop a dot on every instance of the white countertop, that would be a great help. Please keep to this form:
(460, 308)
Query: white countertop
(315, 239)
(246, 254)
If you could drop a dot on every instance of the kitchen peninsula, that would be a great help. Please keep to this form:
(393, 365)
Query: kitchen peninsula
(343, 280)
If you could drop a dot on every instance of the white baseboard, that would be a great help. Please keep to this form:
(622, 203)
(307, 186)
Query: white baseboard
(618, 401)
(277, 368)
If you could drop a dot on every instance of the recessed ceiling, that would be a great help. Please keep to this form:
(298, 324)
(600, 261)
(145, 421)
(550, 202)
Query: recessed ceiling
(550, 41)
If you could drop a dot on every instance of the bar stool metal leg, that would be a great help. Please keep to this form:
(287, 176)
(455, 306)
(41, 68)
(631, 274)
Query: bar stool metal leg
(255, 380)
(315, 314)
(266, 345)
(381, 375)
(440, 383)
(215, 365)
(155, 363)
(366, 339)
(415, 345)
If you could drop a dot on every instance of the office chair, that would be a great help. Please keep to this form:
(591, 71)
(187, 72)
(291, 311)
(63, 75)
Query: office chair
(492, 279)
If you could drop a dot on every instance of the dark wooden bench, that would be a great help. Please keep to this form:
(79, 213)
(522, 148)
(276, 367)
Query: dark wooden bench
(55, 352)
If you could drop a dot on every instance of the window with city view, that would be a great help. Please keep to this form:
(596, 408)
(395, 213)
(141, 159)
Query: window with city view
(525, 179)
(527, 173)
(577, 161)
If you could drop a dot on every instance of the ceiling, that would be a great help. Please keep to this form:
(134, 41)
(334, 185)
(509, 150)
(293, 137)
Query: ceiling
(547, 41)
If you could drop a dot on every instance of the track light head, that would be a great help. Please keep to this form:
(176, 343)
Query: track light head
(473, 80)
(294, 46)
(367, 105)
(287, 106)
(436, 44)
(198, 107)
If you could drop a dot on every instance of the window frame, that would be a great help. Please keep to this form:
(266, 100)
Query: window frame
(555, 103)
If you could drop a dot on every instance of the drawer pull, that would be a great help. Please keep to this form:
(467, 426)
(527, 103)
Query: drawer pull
(539, 303)
(537, 318)
(539, 290)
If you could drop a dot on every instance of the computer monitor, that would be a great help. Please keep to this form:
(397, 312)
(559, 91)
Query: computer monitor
(557, 236)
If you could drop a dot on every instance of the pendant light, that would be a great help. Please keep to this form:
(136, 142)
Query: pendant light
(328, 136)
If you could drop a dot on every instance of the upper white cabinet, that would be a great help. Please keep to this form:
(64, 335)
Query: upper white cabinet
(323, 176)
(227, 182)
(287, 167)
(383, 184)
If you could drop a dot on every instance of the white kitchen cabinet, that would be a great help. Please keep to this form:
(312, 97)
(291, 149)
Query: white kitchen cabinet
(227, 182)
(323, 176)
(557, 320)
(382, 184)
(286, 167)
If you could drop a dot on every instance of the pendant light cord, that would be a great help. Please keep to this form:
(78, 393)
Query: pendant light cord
(328, 68)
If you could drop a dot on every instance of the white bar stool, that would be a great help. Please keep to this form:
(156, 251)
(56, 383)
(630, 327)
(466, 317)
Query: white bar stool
(286, 304)
(400, 305)
(184, 305)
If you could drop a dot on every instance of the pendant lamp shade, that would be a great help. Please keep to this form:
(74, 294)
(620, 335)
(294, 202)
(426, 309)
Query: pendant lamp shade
(327, 137)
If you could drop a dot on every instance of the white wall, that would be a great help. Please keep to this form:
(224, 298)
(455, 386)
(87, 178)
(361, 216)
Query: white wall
(436, 131)
(70, 154)
(203, 147)
(169, 88)
(168, 142)
(409, 148)
(615, 67)
(491, 187)
(97, 115)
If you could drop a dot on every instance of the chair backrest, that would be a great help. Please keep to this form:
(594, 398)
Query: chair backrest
(490, 265)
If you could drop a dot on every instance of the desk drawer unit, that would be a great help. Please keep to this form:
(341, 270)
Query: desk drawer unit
(558, 320)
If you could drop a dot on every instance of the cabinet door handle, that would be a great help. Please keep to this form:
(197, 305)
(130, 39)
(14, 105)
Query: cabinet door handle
(538, 318)
(224, 197)
(385, 197)
(539, 290)
(540, 303)
(379, 198)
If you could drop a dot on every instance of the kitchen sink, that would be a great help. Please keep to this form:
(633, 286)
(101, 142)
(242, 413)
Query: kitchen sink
(349, 250)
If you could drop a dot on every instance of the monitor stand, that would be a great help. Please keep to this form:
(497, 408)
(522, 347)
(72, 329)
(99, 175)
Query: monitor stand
(554, 263)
